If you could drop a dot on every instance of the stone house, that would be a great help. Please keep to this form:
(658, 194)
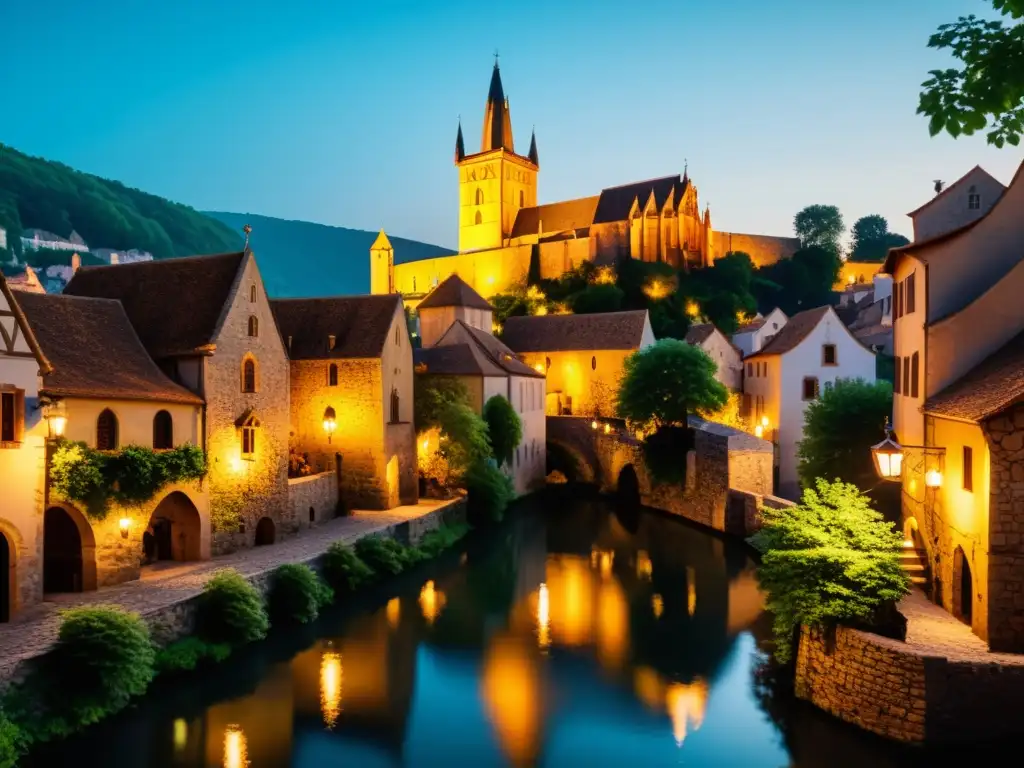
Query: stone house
(582, 356)
(958, 320)
(750, 337)
(722, 351)
(208, 324)
(109, 407)
(966, 200)
(810, 353)
(352, 394)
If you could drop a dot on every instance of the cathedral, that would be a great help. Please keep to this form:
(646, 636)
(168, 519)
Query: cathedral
(502, 227)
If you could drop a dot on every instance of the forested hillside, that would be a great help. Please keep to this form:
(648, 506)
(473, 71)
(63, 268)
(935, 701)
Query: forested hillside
(38, 193)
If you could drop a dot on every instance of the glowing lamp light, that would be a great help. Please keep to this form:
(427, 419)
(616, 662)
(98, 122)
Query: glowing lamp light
(124, 524)
(758, 431)
(933, 478)
(593, 425)
(56, 419)
(851, 279)
(888, 457)
(765, 422)
(607, 428)
(538, 368)
(692, 308)
(330, 423)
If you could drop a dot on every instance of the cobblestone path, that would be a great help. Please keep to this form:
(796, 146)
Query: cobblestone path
(931, 631)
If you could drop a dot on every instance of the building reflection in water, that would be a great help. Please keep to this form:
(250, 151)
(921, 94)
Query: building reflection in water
(235, 753)
(394, 611)
(691, 590)
(657, 605)
(644, 567)
(543, 617)
(684, 703)
(330, 687)
(431, 601)
(513, 697)
(180, 735)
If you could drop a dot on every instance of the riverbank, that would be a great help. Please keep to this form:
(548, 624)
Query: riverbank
(165, 596)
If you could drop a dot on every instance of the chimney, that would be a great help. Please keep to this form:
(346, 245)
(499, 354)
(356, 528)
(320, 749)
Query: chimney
(330, 342)
(76, 262)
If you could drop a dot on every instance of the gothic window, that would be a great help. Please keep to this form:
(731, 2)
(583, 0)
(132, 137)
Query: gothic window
(478, 219)
(248, 442)
(395, 407)
(252, 293)
(254, 325)
(249, 375)
(332, 375)
(973, 199)
(163, 431)
(828, 354)
(810, 388)
(106, 431)
(479, 197)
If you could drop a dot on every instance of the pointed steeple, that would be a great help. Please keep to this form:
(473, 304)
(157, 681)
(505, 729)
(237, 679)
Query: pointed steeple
(533, 148)
(686, 172)
(460, 145)
(497, 132)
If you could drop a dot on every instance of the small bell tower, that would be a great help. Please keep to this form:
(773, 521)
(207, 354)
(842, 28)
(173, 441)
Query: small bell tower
(382, 265)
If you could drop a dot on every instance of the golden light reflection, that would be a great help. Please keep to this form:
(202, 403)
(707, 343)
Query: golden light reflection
(686, 704)
(604, 276)
(657, 606)
(692, 308)
(431, 601)
(691, 590)
(236, 752)
(180, 734)
(512, 696)
(607, 560)
(644, 568)
(393, 611)
(543, 617)
(612, 625)
(330, 687)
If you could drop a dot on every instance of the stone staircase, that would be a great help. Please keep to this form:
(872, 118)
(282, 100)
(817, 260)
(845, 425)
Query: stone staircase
(914, 562)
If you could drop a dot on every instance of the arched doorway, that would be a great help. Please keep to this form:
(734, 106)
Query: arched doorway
(69, 551)
(7, 574)
(174, 531)
(265, 532)
(963, 587)
(627, 490)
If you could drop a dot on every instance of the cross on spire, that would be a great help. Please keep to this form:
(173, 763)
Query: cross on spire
(495, 57)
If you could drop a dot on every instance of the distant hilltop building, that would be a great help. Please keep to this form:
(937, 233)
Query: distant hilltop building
(116, 256)
(40, 239)
(501, 225)
(3, 239)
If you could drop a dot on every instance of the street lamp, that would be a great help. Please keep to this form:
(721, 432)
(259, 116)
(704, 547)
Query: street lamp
(888, 457)
(56, 418)
(330, 423)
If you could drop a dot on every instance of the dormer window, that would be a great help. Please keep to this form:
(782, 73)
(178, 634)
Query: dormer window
(973, 199)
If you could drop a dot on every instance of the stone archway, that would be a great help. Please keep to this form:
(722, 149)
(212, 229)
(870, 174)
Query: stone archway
(963, 587)
(266, 532)
(911, 532)
(174, 531)
(627, 487)
(69, 551)
(8, 577)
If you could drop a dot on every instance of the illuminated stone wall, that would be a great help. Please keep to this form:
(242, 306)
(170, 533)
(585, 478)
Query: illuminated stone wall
(763, 249)
(313, 499)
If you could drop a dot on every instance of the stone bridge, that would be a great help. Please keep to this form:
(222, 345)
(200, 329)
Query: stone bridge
(728, 472)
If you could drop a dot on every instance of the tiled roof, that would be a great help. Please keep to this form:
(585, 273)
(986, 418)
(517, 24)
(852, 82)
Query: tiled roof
(500, 354)
(752, 326)
(792, 333)
(556, 217)
(456, 360)
(174, 304)
(615, 202)
(95, 352)
(454, 292)
(558, 333)
(359, 325)
(22, 322)
(991, 386)
(953, 186)
(698, 334)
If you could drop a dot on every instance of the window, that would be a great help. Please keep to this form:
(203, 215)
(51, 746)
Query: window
(910, 294)
(828, 354)
(254, 326)
(593, 363)
(249, 375)
(906, 375)
(248, 443)
(914, 374)
(395, 407)
(522, 198)
(106, 431)
(810, 387)
(968, 468)
(252, 293)
(332, 375)
(163, 431)
(973, 199)
(478, 219)
(750, 369)
(479, 197)
(747, 400)
(12, 415)
(896, 376)
(547, 363)
(398, 336)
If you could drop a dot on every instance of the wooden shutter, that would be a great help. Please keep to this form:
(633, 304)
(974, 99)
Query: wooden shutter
(19, 415)
(906, 375)
(896, 376)
(968, 468)
(910, 293)
(914, 374)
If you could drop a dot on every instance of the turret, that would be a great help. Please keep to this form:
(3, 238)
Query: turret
(533, 149)
(460, 146)
(382, 265)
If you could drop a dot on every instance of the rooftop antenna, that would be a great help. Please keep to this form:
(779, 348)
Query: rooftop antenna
(247, 229)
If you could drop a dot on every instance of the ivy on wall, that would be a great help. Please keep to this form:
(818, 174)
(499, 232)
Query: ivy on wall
(133, 475)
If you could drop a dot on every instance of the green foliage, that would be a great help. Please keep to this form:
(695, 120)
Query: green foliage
(187, 654)
(885, 367)
(130, 476)
(504, 428)
(819, 225)
(832, 559)
(872, 239)
(343, 570)
(386, 555)
(444, 537)
(839, 429)
(53, 197)
(297, 594)
(489, 491)
(12, 743)
(432, 395)
(989, 83)
(801, 282)
(666, 382)
(464, 439)
(598, 298)
(231, 611)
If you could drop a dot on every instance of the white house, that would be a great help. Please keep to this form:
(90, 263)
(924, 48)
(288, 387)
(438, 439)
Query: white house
(963, 202)
(754, 335)
(812, 351)
(3, 238)
(722, 351)
(36, 239)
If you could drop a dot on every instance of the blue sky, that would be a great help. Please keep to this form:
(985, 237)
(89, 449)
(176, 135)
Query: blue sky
(345, 113)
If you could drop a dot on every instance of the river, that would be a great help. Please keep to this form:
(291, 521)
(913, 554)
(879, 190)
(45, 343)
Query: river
(572, 634)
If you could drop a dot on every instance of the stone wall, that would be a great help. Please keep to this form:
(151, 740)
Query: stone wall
(314, 499)
(743, 511)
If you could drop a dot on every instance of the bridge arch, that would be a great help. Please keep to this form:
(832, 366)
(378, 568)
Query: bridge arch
(570, 461)
(627, 487)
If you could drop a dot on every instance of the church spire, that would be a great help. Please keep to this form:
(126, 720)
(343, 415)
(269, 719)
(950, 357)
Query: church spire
(497, 121)
(460, 145)
(533, 148)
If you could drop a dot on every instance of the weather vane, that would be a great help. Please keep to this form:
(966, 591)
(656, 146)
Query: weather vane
(247, 229)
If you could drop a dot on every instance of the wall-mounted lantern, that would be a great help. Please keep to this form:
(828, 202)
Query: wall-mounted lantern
(330, 423)
(124, 524)
(888, 457)
(56, 418)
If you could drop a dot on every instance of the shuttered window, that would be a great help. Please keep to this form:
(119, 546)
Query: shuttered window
(12, 415)
(914, 374)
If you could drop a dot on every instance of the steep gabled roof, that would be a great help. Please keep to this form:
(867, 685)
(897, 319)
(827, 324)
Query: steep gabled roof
(9, 331)
(945, 192)
(792, 333)
(359, 325)
(175, 305)
(987, 389)
(95, 352)
(560, 333)
(555, 217)
(456, 360)
(454, 292)
(615, 202)
(499, 353)
(698, 334)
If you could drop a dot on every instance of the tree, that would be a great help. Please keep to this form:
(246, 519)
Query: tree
(831, 559)
(990, 83)
(819, 225)
(431, 395)
(597, 298)
(872, 239)
(503, 427)
(667, 381)
(839, 429)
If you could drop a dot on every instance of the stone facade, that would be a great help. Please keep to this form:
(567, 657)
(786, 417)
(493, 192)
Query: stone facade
(314, 499)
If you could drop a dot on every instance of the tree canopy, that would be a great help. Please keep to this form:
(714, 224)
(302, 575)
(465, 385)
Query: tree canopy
(872, 238)
(819, 225)
(504, 428)
(987, 89)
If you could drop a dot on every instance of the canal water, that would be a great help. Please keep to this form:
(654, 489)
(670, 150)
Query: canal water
(573, 634)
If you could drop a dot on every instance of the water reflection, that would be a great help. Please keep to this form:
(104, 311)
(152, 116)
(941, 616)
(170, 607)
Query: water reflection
(330, 687)
(235, 754)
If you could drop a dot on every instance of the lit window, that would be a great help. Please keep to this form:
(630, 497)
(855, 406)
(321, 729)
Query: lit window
(332, 375)
(106, 431)
(810, 388)
(828, 354)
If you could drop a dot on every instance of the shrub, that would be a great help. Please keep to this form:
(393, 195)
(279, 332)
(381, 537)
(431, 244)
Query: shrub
(385, 555)
(438, 540)
(832, 559)
(297, 594)
(187, 654)
(12, 743)
(343, 570)
(231, 611)
(504, 428)
(489, 491)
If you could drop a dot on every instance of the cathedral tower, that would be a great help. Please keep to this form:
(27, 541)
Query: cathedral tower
(495, 182)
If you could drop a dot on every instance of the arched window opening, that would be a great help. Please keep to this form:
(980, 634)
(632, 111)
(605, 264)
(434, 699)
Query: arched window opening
(254, 326)
(163, 431)
(478, 219)
(106, 431)
(252, 293)
(249, 375)
(593, 363)
(479, 196)
(395, 407)
(332, 375)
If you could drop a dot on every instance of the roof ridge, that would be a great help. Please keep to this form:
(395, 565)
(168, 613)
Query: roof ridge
(196, 256)
(643, 181)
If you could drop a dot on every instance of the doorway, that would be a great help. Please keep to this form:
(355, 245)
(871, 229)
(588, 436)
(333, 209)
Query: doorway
(174, 531)
(6, 578)
(963, 587)
(62, 552)
(264, 532)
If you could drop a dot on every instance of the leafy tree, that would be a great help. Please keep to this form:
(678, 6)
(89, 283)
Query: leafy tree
(667, 381)
(839, 429)
(989, 84)
(798, 283)
(831, 559)
(503, 427)
(819, 225)
(872, 239)
(489, 491)
(598, 298)
(431, 395)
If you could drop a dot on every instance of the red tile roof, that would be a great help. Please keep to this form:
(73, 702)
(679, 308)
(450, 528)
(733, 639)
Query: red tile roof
(561, 333)
(698, 334)
(359, 324)
(174, 304)
(556, 217)
(95, 352)
(793, 332)
(989, 388)
(454, 292)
